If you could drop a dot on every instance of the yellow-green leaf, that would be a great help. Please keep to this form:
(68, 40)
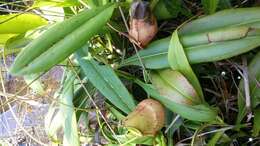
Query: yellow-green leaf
(20, 23)
(55, 3)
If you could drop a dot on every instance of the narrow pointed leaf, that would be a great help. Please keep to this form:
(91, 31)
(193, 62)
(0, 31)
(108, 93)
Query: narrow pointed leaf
(81, 99)
(201, 112)
(219, 35)
(70, 128)
(178, 61)
(61, 40)
(155, 55)
(106, 81)
(222, 19)
(171, 83)
(63, 116)
(215, 37)
(52, 122)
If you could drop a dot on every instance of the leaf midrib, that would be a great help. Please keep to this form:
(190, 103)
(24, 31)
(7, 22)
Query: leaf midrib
(110, 86)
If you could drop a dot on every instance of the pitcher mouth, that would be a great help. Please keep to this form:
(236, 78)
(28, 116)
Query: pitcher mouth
(140, 10)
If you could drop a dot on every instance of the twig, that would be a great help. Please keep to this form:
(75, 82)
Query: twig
(206, 133)
(246, 88)
(127, 36)
(173, 121)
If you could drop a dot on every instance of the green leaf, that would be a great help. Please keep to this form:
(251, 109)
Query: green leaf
(219, 36)
(53, 122)
(200, 112)
(106, 81)
(173, 123)
(224, 4)
(223, 19)
(55, 3)
(116, 113)
(4, 40)
(20, 23)
(171, 83)
(166, 9)
(210, 6)
(70, 129)
(5, 37)
(213, 141)
(61, 40)
(254, 77)
(256, 126)
(131, 137)
(17, 42)
(155, 55)
(178, 61)
(81, 99)
(14, 44)
(63, 116)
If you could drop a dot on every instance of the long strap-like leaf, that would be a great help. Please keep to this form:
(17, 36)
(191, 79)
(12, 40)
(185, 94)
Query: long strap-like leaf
(106, 81)
(215, 37)
(199, 112)
(61, 40)
(178, 61)
(155, 56)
